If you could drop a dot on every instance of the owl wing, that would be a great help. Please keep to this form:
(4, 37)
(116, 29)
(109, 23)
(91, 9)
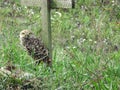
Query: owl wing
(36, 49)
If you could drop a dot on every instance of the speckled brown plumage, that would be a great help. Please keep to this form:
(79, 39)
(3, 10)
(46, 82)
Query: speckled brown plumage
(34, 47)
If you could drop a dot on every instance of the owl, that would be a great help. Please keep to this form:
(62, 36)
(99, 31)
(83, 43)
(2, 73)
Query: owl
(34, 47)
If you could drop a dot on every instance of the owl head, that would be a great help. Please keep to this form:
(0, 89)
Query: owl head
(26, 34)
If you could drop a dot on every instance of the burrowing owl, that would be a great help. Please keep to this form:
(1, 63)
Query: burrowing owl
(34, 47)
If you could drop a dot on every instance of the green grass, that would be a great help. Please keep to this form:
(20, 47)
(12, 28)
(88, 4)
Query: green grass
(86, 46)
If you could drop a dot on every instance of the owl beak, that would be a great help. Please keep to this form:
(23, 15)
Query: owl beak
(27, 35)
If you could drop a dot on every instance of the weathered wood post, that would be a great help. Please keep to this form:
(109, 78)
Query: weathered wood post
(46, 6)
(46, 26)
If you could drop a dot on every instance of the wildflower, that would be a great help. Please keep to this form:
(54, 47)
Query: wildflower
(59, 14)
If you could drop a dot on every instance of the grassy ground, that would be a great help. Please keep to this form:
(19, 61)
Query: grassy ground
(86, 46)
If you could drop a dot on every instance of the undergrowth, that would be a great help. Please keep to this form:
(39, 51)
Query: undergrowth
(86, 46)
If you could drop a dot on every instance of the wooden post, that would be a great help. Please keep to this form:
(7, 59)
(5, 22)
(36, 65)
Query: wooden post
(46, 25)
(54, 4)
(46, 6)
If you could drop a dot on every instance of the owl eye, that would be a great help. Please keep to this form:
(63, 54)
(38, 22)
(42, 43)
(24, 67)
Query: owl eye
(30, 33)
(23, 33)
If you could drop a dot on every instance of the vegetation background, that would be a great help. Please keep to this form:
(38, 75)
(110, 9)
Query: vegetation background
(86, 46)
